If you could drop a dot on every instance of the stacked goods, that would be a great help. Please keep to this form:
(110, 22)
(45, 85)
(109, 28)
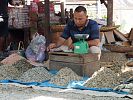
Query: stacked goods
(8, 72)
(64, 76)
(104, 78)
(37, 74)
(18, 17)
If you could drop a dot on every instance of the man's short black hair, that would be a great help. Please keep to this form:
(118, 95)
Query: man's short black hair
(80, 9)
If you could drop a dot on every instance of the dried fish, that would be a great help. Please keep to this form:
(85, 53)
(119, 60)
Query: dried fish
(8, 72)
(103, 78)
(37, 74)
(64, 76)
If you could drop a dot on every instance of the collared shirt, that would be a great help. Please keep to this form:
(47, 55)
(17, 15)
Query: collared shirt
(91, 28)
(3, 7)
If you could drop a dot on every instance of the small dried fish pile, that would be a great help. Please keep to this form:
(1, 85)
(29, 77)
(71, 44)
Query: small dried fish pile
(8, 72)
(64, 76)
(112, 56)
(11, 59)
(37, 74)
(126, 75)
(103, 78)
(22, 65)
(114, 66)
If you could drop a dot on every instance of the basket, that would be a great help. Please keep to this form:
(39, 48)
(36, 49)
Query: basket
(117, 48)
(106, 28)
(57, 28)
(20, 49)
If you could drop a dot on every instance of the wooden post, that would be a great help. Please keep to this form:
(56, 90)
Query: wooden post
(110, 13)
(62, 13)
(71, 13)
(47, 20)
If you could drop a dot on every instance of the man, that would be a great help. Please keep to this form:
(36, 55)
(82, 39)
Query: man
(80, 25)
(3, 21)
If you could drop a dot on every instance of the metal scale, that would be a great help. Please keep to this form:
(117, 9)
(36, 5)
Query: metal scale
(81, 46)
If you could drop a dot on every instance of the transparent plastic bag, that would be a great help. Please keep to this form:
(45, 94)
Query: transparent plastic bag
(36, 49)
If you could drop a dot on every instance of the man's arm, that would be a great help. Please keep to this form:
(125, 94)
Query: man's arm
(94, 42)
(59, 43)
(94, 38)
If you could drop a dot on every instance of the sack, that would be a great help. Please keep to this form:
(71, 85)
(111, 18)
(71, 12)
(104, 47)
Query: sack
(36, 49)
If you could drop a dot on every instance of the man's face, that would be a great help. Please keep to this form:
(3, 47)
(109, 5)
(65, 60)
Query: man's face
(80, 19)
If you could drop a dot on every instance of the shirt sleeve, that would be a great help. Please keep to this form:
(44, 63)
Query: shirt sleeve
(95, 33)
(66, 33)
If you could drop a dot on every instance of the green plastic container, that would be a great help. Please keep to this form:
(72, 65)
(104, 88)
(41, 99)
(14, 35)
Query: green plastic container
(81, 47)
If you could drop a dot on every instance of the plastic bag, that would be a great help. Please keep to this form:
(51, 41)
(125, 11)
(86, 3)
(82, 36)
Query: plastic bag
(36, 49)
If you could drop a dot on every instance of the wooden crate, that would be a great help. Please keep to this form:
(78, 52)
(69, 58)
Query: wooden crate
(83, 65)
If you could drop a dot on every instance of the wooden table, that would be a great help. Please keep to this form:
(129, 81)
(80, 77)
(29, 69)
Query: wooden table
(82, 64)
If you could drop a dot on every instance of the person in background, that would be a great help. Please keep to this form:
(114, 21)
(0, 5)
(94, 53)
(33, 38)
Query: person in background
(80, 25)
(4, 21)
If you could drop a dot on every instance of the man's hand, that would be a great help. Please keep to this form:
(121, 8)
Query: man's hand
(51, 46)
(71, 46)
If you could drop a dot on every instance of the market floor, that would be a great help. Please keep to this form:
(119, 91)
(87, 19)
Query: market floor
(14, 92)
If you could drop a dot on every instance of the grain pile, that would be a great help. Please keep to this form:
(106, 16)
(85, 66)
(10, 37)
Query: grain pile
(22, 65)
(37, 74)
(11, 59)
(114, 61)
(112, 56)
(126, 75)
(64, 76)
(114, 66)
(103, 78)
(18, 62)
(8, 72)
